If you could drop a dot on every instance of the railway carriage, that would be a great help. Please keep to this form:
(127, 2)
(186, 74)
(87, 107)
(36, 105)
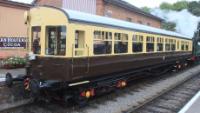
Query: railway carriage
(70, 50)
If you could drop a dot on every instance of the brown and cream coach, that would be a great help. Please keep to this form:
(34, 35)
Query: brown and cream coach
(78, 53)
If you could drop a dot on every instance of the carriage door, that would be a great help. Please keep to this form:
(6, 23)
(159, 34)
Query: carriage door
(81, 54)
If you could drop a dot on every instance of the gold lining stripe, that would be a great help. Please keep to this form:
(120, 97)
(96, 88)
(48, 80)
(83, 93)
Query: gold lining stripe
(79, 83)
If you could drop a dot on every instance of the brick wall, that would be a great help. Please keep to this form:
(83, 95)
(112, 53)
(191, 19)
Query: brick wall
(12, 52)
(124, 14)
(55, 3)
(106, 9)
(100, 7)
(12, 21)
(12, 25)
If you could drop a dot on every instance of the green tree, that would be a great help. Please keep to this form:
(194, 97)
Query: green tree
(166, 6)
(169, 26)
(194, 8)
(146, 9)
(180, 5)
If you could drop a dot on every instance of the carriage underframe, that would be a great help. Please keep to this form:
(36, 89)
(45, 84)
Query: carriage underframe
(90, 86)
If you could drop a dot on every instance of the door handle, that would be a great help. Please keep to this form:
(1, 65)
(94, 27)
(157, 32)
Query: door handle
(88, 59)
(72, 60)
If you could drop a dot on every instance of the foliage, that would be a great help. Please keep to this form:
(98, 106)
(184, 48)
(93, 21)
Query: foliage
(146, 9)
(194, 8)
(166, 6)
(14, 62)
(169, 26)
(178, 6)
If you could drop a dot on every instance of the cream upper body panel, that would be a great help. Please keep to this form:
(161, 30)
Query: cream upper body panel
(41, 16)
(80, 22)
(45, 16)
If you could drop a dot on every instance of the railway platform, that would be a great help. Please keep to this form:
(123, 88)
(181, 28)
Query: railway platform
(11, 97)
(192, 106)
(12, 100)
(14, 72)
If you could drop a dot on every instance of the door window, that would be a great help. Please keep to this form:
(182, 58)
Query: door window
(79, 43)
(56, 40)
(36, 45)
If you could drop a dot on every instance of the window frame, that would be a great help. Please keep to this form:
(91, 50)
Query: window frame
(160, 40)
(183, 46)
(137, 39)
(122, 41)
(167, 43)
(104, 36)
(47, 40)
(150, 40)
(173, 43)
(32, 41)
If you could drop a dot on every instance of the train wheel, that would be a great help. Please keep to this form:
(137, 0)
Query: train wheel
(81, 101)
(9, 80)
(185, 65)
(34, 88)
(179, 66)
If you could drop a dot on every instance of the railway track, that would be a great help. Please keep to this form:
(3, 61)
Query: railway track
(171, 100)
(125, 100)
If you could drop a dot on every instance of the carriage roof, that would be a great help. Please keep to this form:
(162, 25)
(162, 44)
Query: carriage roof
(95, 19)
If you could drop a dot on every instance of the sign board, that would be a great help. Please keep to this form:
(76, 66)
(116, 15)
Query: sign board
(12, 42)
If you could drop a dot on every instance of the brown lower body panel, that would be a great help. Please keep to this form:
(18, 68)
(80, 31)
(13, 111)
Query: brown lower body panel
(67, 69)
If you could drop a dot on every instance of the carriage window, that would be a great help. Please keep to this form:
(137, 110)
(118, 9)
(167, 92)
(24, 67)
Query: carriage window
(187, 46)
(160, 47)
(150, 44)
(102, 47)
(102, 42)
(121, 43)
(160, 42)
(79, 39)
(182, 45)
(167, 45)
(173, 44)
(36, 46)
(137, 43)
(80, 43)
(173, 47)
(56, 40)
(178, 45)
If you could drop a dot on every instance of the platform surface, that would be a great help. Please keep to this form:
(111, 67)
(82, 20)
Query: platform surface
(193, 106)
(14, 72)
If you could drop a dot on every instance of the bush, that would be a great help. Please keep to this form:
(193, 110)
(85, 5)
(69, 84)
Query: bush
(169, 26)
(14, 62)
(178, 6)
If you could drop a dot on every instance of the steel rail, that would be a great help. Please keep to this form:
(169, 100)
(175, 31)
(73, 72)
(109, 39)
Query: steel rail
(133, 109)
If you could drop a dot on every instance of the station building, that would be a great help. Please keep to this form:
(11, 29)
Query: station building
(13, 31)
(118, 9)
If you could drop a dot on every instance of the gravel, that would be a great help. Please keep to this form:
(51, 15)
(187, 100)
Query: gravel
(129, 100)
(121, 101)
(14, 72)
